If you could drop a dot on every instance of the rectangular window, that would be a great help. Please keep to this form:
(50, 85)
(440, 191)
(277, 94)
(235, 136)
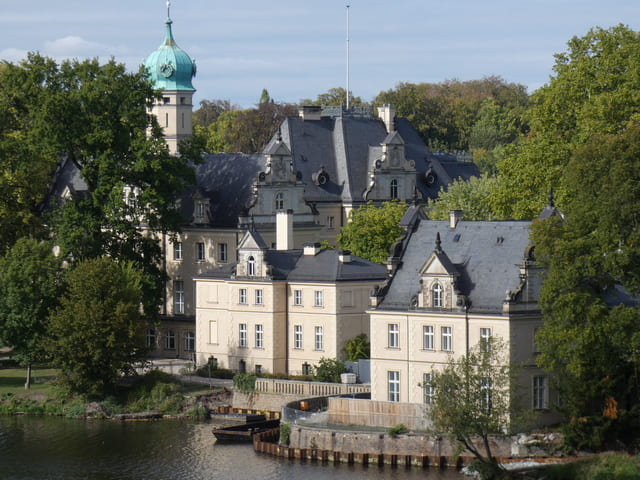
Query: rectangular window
(330, 222)
(540, 393)
(297, 297)
(318, 298)
(428, 389)
(259, 336)
(242, 339)
(189, 341)
(178, 297)
(259, 297)
(485, 335)
(446, 340)
(394, 386)
(200, 252)
(200, 210)
(242, 296)
(297, 337)
(177, 251)
(427, 337)
(150, 340)
(486, 393)
(170, 340)
(394, 334)
(222, 252)
(319, 341)
(258, 369)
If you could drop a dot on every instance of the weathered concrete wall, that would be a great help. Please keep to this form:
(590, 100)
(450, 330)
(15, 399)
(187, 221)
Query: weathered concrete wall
(262, 401)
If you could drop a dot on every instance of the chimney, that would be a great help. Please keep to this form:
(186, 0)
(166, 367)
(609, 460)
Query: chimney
(344, 256)
(387, 114)
(454, 217)
(311, 249)
(284, 229)
(310, 112)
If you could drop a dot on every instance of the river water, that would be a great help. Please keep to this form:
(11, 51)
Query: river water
(38, 448)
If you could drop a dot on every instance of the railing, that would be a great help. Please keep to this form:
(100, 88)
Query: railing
(311, 389)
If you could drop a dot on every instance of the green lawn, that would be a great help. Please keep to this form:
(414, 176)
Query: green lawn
(12, 381)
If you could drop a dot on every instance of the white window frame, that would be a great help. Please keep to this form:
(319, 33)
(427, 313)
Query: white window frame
(170, 340)
(178, 297)
(393, 335)
(297, 337)
(150, 338)
(446, 339)
(259, 335)
(222, 253)
(200, 208)
(242, 296)
(242, 335)
(330, 222)
(319, 338)
(251, 266)
(297, 298)
(318, 298)
(393, 385)
(279, 202)
(200, 252)
(540, 393)
(485, 339)
(177, 251)
(486, 391)
(428, 389)
(393, 189)
(189, 342)
(428, 337)
(259, 296)
(436, 295)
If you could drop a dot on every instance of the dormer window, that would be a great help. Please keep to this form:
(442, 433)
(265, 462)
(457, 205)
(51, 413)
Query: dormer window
(393, 193)
(251, 267)
(280, 201)
(436, 296)
(200, 209)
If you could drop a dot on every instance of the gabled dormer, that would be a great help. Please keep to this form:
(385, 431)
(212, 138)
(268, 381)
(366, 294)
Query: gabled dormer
(201, 208)
(279, 164)
(393, 153)
(439, 282)
(252, 251)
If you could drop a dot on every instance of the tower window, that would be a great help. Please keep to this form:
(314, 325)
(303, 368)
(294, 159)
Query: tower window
(166, 100)
(394, 189)
(280, 201)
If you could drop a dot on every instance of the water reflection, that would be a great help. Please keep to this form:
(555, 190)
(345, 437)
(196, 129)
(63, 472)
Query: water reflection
(54, 448)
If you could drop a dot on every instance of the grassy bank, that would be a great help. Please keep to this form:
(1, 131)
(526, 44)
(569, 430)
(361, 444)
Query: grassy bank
(156, 391)
(606, 466)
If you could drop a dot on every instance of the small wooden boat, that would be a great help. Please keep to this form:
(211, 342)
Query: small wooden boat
(243, 432)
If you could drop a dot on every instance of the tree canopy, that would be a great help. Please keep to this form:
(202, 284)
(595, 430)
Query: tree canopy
(471, 196)
(30, 285)
(594, 90)
(96, 333)
(591, 334)
(372, 230)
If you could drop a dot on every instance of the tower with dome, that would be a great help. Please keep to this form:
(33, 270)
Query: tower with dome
(171, 70)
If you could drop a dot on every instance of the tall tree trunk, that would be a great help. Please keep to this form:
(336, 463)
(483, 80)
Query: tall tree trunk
(27, 383)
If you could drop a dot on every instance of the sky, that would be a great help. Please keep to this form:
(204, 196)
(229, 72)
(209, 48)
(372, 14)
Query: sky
(297, 49)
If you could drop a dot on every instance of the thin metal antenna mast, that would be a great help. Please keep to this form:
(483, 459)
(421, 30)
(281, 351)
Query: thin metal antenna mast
(168, 9)
(347, 57)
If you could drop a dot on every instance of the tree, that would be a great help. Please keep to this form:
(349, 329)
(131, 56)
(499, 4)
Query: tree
(30, 284)
(358, 348)
(471, 196)
(264, 97)
(210, 111)
(371, 230)
(445, 114)
(328, 370)
(96, 333)
(335, 97)
(97, 115)
(591, 334)
(594, 90)
(474, 399)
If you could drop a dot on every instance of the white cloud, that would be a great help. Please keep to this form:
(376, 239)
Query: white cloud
(74, 46)
(13, 54)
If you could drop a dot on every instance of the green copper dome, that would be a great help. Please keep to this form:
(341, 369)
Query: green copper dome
(169, 67)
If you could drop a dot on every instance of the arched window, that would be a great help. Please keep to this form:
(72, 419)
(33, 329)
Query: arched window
(436, 296)
(394, 189)
(280, 201)
(251, 267)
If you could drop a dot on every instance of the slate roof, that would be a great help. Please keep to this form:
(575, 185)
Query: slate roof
(486, 255)
(325, 267)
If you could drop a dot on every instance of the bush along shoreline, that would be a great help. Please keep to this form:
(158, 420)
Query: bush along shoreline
(151, 396)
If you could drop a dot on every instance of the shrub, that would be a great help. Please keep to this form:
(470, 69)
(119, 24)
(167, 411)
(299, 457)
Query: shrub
(244, 382)
(397, 430)
(328, 370)
(285, 433)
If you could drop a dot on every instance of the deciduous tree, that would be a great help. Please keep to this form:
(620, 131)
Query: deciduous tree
(371, 230)
(30, 286)
(96, 333)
